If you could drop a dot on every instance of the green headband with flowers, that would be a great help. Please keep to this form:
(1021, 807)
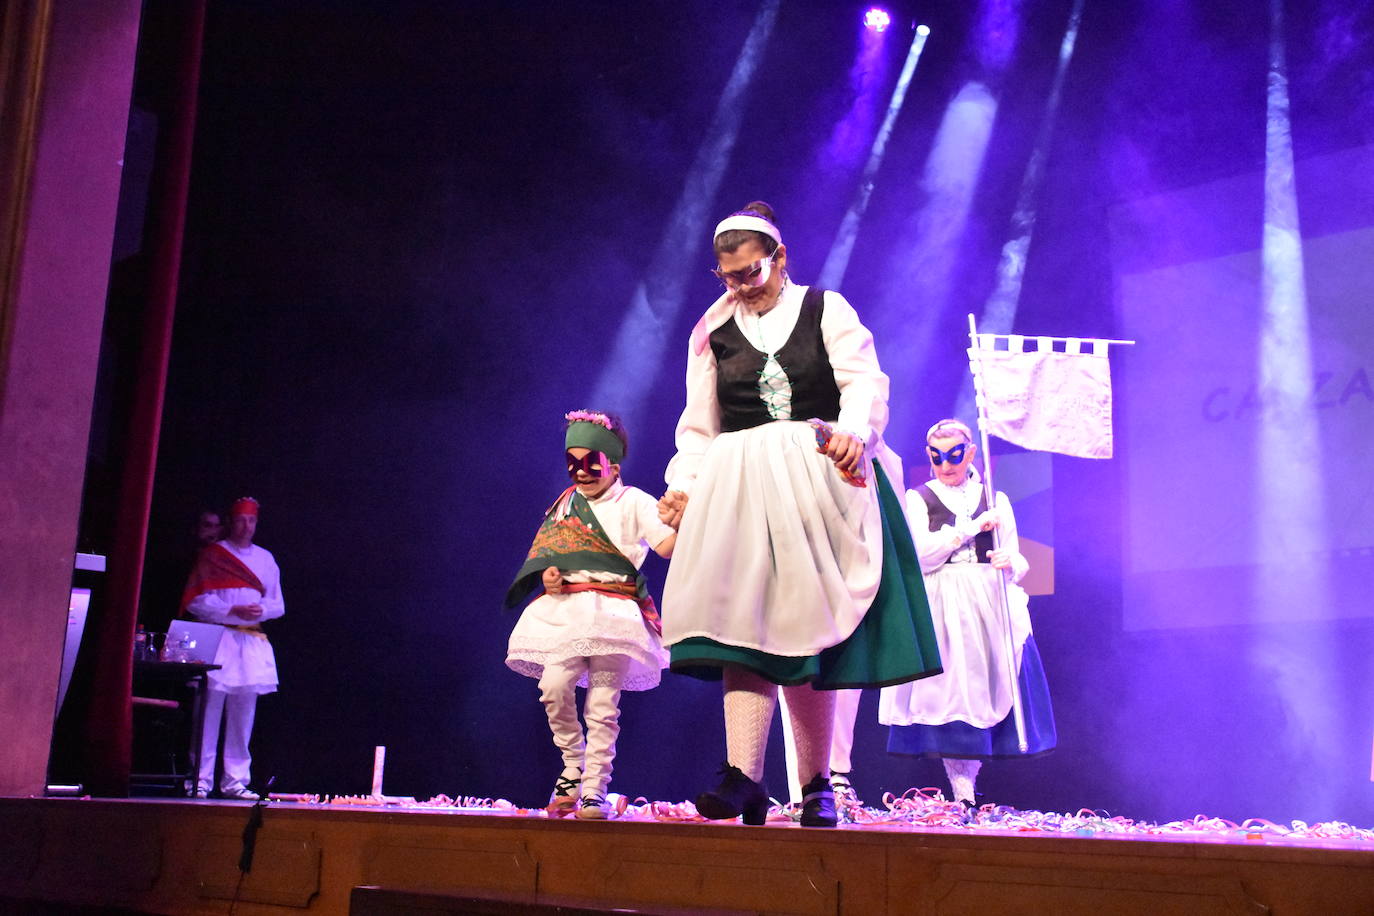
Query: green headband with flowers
(591, 430)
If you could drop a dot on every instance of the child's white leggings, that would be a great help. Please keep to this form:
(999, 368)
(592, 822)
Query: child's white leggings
(593, 754)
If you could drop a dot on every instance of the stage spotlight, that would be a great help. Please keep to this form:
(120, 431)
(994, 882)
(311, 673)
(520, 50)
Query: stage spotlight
(877, 20)
(922, 30)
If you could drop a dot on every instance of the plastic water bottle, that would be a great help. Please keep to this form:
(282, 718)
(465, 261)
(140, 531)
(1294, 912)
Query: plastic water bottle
(141, 644)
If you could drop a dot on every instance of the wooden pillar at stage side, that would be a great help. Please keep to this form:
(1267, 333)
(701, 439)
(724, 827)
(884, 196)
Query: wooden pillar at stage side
(66, 73)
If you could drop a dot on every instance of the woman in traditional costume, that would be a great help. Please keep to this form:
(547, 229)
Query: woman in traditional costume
(793, 566)
(964, 716)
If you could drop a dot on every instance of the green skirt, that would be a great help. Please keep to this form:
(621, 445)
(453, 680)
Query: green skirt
(894, 643)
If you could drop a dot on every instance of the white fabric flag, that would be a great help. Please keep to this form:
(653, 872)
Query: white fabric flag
(1046, 400)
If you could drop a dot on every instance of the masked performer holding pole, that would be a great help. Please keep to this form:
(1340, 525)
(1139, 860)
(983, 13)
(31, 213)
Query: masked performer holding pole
(964, 716)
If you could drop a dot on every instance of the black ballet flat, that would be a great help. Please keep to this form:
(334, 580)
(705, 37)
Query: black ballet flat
(818, 804)
(736, 795)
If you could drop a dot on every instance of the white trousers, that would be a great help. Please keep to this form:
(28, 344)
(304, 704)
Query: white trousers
(842, 741)
(236, 710)
(594, 752)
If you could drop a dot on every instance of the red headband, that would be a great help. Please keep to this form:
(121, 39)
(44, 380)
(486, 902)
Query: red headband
(245, 506)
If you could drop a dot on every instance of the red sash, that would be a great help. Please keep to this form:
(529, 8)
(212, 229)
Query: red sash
(217, 568)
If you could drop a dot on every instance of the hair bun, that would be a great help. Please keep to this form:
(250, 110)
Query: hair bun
(762, 208)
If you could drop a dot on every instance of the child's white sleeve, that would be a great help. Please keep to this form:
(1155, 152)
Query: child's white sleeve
(652, 530)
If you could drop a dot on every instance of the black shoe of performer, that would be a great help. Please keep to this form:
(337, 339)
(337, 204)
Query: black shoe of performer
(737, 794)
(818, 803)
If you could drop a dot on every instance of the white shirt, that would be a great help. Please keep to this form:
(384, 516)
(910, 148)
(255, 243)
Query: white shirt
(213, 606)
(862, 383)
(247, 662)
(630, 519)
(955, 543)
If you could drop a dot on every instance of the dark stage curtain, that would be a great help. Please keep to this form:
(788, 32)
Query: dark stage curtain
(169, 61)
(23, 32)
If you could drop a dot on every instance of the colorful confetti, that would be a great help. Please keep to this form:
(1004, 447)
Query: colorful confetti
(914, 809)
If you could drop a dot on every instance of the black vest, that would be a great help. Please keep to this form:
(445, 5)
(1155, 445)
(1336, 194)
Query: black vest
(940, 516)
(804, 358)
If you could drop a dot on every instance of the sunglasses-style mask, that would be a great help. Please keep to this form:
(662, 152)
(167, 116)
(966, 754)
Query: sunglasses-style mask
(594, 463)
(755, 274)
(953, 456)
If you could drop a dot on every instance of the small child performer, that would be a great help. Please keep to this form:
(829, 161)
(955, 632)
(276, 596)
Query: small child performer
(595, 625)
(964, 715)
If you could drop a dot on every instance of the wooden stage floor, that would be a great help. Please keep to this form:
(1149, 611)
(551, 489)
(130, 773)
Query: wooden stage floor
(173, 856)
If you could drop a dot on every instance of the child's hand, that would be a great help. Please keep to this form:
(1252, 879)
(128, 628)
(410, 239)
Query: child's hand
(670, 508)
(553, 580)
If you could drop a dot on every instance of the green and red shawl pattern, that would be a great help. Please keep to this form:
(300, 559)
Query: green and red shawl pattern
(571, 538)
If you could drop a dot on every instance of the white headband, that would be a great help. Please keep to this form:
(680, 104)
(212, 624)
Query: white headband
(752, 223)
(953, 424)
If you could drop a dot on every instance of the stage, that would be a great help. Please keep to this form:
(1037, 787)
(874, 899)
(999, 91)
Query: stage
(173, 856)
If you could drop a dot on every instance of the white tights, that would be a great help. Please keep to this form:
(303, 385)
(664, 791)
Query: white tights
(593, 753)
(962, 775)
(749, 703)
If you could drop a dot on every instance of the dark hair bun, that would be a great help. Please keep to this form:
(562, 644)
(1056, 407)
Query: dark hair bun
(762, 208)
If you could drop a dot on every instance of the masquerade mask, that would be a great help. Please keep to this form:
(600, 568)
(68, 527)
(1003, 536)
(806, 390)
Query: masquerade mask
(954, 456)
(755, 274)
(594, 463)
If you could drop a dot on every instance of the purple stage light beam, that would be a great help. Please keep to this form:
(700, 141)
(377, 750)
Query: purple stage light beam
(999, 26)
(837, 261)
(851, 134)
(929, 246)
(1291, 525)
(646, 329)
(999, 312)
(918, 282)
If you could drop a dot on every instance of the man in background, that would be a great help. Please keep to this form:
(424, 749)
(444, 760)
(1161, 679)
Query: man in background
(237, 585)
(209, 528)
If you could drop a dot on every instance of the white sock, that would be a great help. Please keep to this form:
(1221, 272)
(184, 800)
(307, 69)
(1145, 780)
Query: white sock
(813, 723)
(962, 775)
(749, 704)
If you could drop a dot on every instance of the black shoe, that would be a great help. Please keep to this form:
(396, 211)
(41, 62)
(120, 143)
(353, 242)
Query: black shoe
(737, 794)
(818, 803)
